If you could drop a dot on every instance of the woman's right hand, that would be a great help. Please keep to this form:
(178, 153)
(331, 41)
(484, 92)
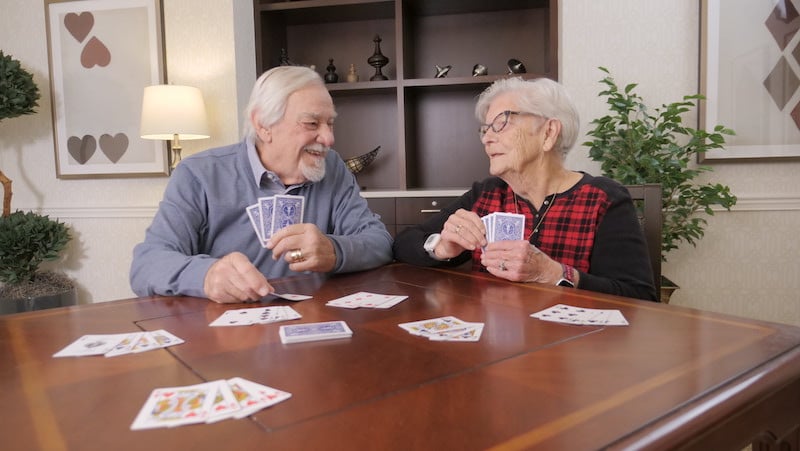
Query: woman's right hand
(462, 231)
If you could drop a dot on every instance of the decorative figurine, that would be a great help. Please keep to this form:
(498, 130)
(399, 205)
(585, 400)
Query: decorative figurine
(331, 76)
(378, 60)
(284, 59)
(352, 75)
(358, 163)
(441, 72)
(479, 69)
(515, 66)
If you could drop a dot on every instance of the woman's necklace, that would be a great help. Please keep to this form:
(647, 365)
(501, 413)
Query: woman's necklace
(547, 203)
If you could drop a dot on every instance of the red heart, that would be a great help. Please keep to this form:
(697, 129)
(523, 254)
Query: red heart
(79, 25)
(95, 53)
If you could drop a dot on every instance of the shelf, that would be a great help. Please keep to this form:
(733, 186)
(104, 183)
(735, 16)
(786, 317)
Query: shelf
(425, 125)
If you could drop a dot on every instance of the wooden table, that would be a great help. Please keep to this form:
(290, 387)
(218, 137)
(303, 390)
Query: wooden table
(674, 378)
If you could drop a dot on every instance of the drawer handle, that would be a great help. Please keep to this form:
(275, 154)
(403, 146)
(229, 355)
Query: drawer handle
(430, 211)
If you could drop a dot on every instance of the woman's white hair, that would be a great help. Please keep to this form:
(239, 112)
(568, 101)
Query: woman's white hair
(543, 97)
(271, 93)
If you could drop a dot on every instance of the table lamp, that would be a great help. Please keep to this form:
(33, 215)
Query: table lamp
(173, 112)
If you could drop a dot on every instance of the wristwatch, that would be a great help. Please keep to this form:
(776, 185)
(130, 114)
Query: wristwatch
(430, 245)
(567, 277)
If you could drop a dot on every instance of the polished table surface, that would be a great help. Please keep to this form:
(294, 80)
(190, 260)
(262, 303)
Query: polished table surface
(674, 378)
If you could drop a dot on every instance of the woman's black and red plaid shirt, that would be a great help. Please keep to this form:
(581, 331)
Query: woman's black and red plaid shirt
(592, 226)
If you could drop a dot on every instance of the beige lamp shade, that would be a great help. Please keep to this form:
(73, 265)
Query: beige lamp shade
(170, 110)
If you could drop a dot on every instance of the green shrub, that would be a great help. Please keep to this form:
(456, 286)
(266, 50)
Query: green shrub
(27, 240)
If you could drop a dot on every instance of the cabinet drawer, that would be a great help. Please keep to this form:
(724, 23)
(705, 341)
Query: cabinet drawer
(414, 210)
(383, 207)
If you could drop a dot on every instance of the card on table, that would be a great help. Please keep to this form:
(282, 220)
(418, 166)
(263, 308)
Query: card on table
(328, 330)
(567, 314)
(253, 396)
(367, 300)
(96, 344)
(446, 328)
(255, 315)
(292, 297)
(176, 406)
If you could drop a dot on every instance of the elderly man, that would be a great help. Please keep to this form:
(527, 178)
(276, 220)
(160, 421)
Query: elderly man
(202, 241)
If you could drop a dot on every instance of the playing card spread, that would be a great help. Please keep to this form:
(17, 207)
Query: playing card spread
(328, 330)
(255, 315)
(111, 345)
(367, 300)
(273, 213)
(446, 328)
(208, 402)
(567, 314)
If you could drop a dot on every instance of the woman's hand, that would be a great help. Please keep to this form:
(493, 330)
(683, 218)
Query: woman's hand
(462, 231)
(520, 261)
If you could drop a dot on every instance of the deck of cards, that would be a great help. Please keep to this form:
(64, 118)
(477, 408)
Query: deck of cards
(567, 314)
(504, 226)
(329, 330)
(255, 315)
(363, 299)
(205, 403)
(273, 213)
(111, 345)
(446, 328)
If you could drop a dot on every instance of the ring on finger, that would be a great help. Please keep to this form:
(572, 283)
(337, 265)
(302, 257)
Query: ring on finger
(458, 229)
(296, 255)
(503, 265)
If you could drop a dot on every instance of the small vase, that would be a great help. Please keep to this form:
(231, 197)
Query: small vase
(352, 75)
(331, 76)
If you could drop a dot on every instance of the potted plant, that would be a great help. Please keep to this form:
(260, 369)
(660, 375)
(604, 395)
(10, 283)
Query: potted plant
(637, 145)
(27, 239)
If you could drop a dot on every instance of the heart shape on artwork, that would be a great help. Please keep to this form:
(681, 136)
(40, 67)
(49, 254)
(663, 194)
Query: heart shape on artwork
(95, 53)
(79, 25)
(81, 149)
(114, 147)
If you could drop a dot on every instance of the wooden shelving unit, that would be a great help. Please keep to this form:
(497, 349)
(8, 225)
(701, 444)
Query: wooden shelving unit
(425, 125)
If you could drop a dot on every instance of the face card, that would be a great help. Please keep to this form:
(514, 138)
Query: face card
(126, 345)
(165, 339)
(432, 326)
(253, 397)
(176, 406)
(288, 211)
(470, 333)
(225, 404)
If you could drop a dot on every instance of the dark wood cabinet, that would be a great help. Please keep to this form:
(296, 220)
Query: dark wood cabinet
(425, 125)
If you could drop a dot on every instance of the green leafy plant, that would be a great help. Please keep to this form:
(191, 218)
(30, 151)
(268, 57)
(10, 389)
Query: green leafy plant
(27, 240)
(637, 145)
(18, 92)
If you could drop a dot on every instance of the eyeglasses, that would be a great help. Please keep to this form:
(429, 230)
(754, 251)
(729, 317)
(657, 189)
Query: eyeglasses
(499, 122)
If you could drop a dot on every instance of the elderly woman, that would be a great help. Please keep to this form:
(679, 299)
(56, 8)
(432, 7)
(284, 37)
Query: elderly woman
(580, 231)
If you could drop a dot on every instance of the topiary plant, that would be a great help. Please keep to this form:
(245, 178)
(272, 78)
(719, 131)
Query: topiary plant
(26, 239)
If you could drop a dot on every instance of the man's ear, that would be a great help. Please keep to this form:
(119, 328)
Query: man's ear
(264, 134)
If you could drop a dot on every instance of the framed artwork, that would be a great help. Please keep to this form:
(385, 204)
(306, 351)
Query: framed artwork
(103, 53)
(750, 76)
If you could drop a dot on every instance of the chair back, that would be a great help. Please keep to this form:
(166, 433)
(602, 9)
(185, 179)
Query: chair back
(647, 199)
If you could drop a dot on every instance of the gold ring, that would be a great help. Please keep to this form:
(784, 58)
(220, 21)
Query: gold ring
(296, 255)
(503, 265)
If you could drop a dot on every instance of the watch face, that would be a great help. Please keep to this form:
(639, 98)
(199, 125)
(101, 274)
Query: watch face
(431, 242)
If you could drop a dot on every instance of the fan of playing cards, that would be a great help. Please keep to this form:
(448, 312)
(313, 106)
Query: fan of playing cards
(111, 345)
(504, 226)
(206, 403)
(255, 315)
(446, 328)
(273, 213)
(568, 314)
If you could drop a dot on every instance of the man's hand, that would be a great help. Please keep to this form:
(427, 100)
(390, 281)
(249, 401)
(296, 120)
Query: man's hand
(304, 247)
(234, 279)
